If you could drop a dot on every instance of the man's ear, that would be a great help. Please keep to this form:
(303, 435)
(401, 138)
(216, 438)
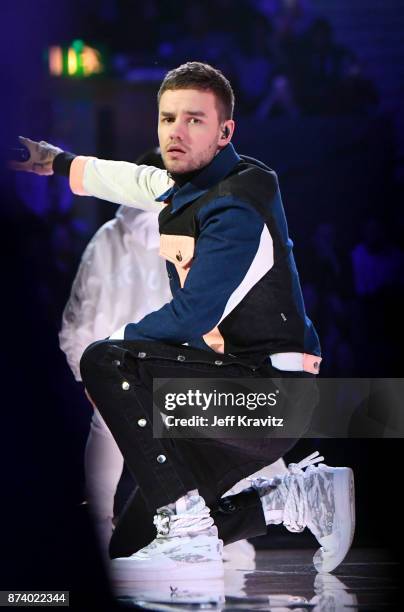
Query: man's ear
(227, 132)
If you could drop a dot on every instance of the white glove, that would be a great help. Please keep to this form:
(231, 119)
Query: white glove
(41, 157)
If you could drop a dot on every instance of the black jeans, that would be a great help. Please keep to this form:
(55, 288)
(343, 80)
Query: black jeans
(118, 375)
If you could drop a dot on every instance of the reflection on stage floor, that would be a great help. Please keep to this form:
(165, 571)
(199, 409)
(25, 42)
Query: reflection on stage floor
(278, 580)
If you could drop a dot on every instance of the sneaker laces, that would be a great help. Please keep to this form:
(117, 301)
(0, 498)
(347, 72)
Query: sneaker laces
(181, 524)
(291, 487)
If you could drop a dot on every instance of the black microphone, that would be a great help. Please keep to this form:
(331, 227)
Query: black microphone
(19, 154)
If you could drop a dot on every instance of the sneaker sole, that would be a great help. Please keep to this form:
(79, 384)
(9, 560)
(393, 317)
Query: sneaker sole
(125, 571)
(344, 488)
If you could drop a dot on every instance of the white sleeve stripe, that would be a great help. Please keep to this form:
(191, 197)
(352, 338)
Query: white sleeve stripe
(261, 264)
(126, 183)
(119, 334)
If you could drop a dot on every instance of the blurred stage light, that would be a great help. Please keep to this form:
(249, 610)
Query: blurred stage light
(78, 60)
(55, 61)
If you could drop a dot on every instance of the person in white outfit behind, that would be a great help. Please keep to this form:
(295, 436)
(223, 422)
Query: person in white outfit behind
(111, 284)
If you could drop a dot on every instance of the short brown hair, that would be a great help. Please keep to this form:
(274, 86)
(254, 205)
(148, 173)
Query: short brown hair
(196, 75)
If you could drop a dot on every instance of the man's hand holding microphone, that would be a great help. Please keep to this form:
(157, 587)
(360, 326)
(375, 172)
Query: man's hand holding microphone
(41, 156)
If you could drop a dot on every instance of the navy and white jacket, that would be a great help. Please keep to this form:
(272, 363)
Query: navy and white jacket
(229, 257)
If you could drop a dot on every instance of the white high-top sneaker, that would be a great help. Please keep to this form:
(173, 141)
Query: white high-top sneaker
(320, 498)
(187, 546)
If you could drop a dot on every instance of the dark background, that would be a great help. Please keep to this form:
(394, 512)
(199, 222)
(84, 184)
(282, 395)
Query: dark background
(319, 88)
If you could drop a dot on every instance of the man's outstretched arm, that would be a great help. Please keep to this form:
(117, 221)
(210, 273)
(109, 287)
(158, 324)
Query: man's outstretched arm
(114, 181)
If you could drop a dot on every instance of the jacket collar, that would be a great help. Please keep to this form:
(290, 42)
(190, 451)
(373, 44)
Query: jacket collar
(220, 166)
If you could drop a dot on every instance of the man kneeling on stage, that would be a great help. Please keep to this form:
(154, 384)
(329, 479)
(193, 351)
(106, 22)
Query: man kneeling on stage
(237, 311)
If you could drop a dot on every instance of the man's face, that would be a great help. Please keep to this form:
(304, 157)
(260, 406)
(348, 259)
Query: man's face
(189, 129)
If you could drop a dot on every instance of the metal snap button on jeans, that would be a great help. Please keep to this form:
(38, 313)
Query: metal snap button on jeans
(227, 506)
(125, 385)
(218, 362)
(161, 458)
(116, 362)
(142, 422)
(181, 358)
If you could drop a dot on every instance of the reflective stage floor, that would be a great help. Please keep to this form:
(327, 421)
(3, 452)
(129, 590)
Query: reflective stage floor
(279, 580)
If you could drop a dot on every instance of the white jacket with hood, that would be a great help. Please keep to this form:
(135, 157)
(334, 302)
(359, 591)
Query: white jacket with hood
(120, 278)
